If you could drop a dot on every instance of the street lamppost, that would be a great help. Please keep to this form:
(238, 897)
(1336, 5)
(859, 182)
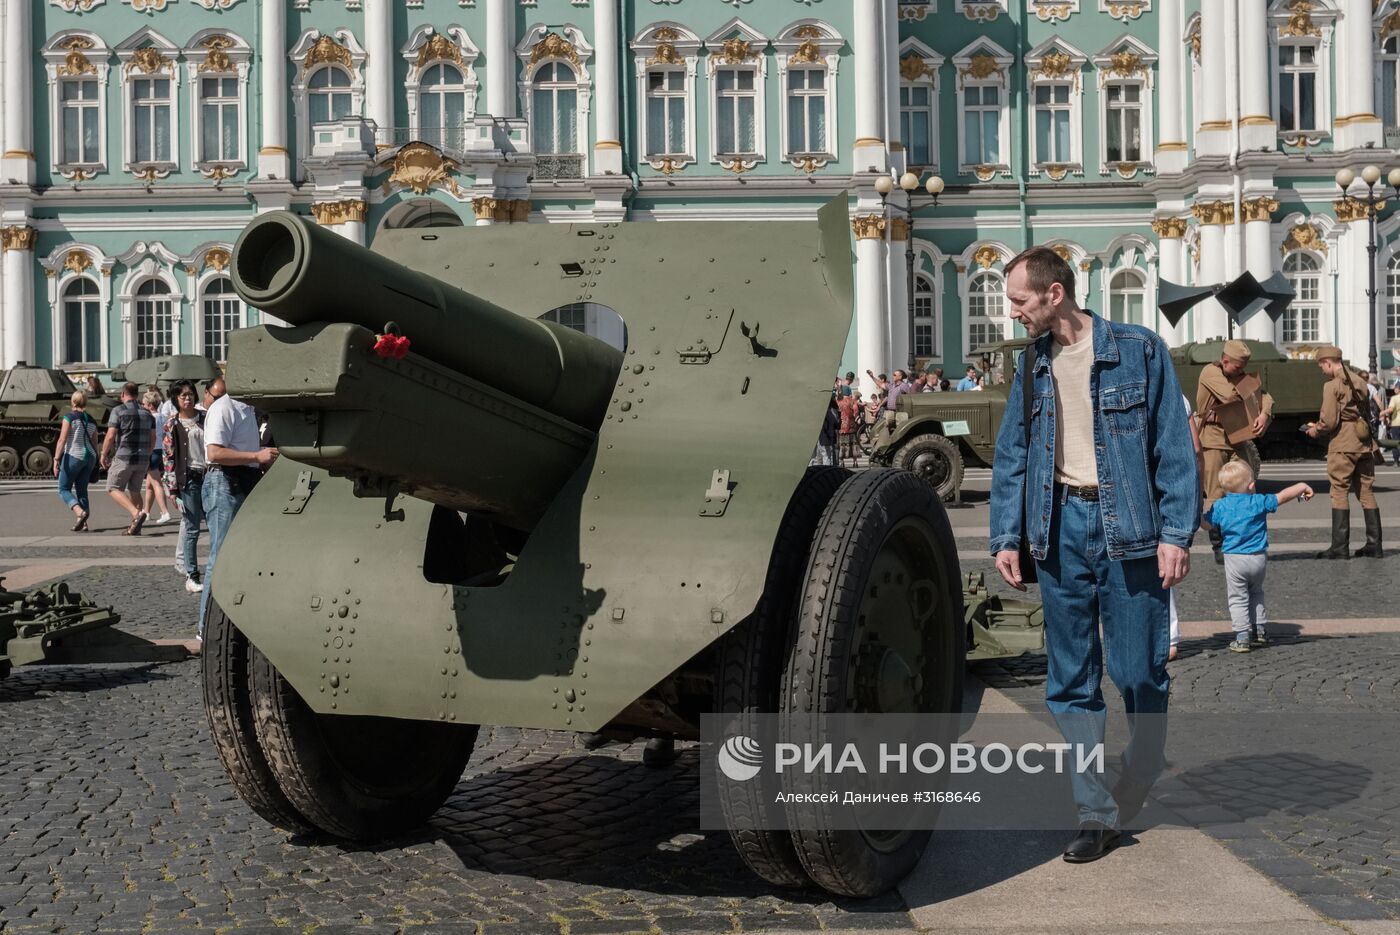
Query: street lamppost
(909, 183)
(1372, 201)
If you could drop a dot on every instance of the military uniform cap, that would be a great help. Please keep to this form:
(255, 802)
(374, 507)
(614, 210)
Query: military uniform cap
(1330, 352)
(1237, 350)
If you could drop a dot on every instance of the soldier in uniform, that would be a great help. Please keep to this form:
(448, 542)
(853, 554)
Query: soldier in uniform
(1351, 451)
(1216, 389)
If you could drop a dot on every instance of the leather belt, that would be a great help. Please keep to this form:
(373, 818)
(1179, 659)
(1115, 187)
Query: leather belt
(1083, 493)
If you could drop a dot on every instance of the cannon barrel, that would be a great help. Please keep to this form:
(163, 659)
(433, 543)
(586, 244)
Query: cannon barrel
(302, 273)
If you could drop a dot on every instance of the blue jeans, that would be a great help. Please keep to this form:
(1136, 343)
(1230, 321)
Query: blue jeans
(220, 504)
(192, 514)
(1081, 589)
(73, 476)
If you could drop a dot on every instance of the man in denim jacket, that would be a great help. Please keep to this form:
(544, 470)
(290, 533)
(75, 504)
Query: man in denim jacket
(1111, 502)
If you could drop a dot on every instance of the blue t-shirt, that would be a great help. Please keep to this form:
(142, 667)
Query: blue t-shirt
(967, 383)
(1240, 517)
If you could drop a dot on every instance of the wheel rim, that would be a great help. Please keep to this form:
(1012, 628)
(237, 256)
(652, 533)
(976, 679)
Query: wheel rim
(932, 467)
(9, 460)
(894, 649)
(38, 461)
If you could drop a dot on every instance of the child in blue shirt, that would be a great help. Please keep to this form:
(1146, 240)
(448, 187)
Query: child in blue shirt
(1240, 516)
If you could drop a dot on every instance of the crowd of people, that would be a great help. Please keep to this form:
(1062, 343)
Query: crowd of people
(201, 451)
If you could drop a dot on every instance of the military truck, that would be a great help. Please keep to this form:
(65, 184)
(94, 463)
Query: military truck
(1295, 385)
(481, 517)
(33, 401)
(944, 432)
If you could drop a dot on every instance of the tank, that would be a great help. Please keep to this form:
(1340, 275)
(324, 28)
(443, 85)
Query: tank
(508, 522)
(163, 371)
(1296, 386)
(33, 401)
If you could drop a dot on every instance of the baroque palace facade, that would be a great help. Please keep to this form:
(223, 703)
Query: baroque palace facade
(1185, 140)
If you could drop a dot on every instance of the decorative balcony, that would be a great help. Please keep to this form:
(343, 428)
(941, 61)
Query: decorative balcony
(557, 166)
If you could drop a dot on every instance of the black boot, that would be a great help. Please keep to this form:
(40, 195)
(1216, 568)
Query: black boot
(1341, 535)
(1372, 548)
(1217, 542)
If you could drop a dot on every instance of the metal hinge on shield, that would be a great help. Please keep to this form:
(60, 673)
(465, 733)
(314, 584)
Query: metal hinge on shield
(717, 497)
(301, 492)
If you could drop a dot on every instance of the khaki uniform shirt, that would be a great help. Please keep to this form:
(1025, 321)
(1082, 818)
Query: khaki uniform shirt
(1213, 391)
(1340, 413)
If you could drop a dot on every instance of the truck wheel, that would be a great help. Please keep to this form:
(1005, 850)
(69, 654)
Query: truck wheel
(752, 657)
(224, 667)
(9, 460)
(355, 777)
(879, 630)
(38, 461)
(936, 460)
(1248, 452)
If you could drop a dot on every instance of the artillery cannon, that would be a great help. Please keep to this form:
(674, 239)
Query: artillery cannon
(516, 524)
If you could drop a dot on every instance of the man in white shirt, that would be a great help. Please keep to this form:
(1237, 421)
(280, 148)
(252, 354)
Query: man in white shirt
(236, 460)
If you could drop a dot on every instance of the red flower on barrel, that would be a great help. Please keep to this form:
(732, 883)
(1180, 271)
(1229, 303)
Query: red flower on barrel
(391, 345)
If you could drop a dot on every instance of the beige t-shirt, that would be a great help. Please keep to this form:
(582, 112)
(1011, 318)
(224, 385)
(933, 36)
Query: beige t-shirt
(1075, 463)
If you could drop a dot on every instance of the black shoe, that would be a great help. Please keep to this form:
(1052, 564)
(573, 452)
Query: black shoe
(1341, 535)
(1129, 794)
(1372, 548)
(659, 752)
(1093, 841)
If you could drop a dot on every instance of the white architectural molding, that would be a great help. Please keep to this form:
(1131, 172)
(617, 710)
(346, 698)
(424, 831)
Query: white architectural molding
(982, 257)
(76, 54)
(980, 11)
(983, 63)
(148, 260)
(666, 47)
(217, 53)
(738, 45)
(809, 44)
(313, 51)
(1125, 10)
(427, 47)
(928, 263)
(1312, 24)
(148, 54)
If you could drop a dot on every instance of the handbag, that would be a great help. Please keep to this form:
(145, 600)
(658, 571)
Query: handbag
(1027, 561)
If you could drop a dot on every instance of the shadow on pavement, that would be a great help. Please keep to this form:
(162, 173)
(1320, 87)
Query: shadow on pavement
(27, 682)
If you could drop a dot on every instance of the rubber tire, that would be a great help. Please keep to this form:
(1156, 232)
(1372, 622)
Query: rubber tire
(752, 659)
(228, 706)
(9, 460)
(1248, 452)
(844, 551)
(311, 756)
(938, 446)
(38, 461)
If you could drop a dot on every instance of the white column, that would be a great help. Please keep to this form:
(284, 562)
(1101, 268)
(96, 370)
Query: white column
(379, 66)
(17, 300)
(1257, 127)
(273, 158)
(889, 88)
(872, 321)
(1356, 122)
(1171, 267)
(898, 272)
(18, 162)
(1171, 150)
(1353, 307)
(869, 149)
(500, 58)
(1211, 320)
(1213, 133)
(1259, 257)
(607, 150)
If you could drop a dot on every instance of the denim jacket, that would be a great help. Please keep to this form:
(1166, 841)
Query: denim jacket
(1149, 489)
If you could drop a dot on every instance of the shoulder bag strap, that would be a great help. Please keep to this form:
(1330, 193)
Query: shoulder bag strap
(1027, 383)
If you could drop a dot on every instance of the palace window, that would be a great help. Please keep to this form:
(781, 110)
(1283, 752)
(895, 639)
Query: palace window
(150, 105)
(82, 112)
(1392, 299)
(1052, 123)
(986, 309)
(667, 103)
(1297, 86)
(221, 311)
(328, 94)
(220, 119)
(155, 333)
(806, 102)
(1123, 139)
(736, 105)
(554, 109)
(1388, 100)
(916, 123)
(82, 322)
(442, 106)
(1301, 323)
(982, 106)
(1127, 294)
(925, 320)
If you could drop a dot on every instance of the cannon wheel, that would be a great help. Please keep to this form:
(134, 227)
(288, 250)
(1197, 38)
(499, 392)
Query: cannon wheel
(884, 552)
(9, 460)
(224, 663)
(1248, 452)
(355, 777)
(752, 657)
(38, 461)
(934, 459)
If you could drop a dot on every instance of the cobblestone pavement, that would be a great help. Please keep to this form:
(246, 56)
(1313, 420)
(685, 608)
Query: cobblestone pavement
(1342, 856)
(118, 818)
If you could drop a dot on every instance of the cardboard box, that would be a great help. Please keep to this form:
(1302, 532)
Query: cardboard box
(1237, 418)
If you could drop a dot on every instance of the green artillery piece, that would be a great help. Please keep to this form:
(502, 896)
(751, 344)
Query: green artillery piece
(517, 524)
(1001, 626)
(55, 626)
